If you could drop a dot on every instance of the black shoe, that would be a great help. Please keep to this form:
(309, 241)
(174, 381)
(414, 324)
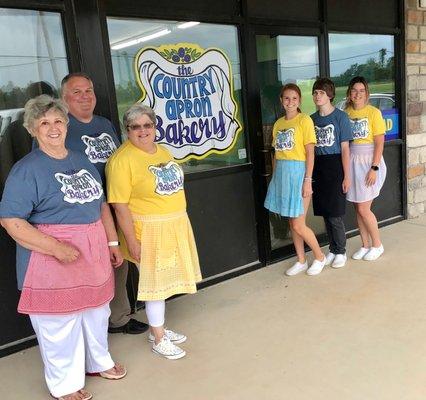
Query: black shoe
(133, 327)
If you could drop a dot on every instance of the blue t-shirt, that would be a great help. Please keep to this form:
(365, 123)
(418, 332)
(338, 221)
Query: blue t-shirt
(96, 139)
(331, 131)
(45, 190)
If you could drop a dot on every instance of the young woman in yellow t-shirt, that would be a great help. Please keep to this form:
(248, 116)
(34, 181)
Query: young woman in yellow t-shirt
(368, 169)
(290, 190)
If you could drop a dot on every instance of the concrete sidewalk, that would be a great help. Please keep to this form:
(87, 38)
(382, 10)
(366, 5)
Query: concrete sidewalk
(358, 333)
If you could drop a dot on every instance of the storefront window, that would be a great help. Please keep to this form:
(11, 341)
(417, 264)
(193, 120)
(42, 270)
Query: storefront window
(32, 61)
(370, 56)
(189, 73)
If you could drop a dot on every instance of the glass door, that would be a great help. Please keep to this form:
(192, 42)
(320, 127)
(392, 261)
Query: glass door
(284, 59)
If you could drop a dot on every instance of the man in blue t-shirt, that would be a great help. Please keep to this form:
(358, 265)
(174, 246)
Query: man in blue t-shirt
(96, 137)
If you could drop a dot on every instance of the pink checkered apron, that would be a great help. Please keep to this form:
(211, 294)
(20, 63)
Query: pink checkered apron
(51, 287)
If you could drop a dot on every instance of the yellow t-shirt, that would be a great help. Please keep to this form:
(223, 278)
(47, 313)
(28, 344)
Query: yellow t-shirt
(289, 137)
(366, 123)
(150, 184)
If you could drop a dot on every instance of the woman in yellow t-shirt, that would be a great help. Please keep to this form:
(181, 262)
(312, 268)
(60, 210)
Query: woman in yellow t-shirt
(368, 169)
(145, 187)
(290, 190)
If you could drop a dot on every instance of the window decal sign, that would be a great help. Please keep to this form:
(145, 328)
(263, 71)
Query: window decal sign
(191, 91)
(391, 118)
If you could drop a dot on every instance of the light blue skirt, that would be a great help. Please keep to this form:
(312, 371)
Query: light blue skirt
(284, 195)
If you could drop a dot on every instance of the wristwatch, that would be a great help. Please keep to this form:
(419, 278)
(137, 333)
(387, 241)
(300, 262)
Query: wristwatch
(375, 167)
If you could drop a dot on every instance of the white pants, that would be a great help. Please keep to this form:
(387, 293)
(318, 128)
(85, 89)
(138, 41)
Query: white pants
(71, 345)
(155, 310)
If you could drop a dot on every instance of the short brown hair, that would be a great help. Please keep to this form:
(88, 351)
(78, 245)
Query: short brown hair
(326, 85)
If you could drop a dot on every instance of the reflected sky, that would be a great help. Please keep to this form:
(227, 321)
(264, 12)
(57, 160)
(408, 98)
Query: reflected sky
(32, 47)
(205, 35)
(347, 49)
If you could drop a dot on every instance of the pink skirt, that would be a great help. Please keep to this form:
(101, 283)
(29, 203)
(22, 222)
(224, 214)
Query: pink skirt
(360, 165)
(51, 287)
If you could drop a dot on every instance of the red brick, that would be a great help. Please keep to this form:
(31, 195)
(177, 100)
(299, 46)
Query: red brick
(413, 125)
(415, 17)
(413, 46)
(417, 170)
(414, 109)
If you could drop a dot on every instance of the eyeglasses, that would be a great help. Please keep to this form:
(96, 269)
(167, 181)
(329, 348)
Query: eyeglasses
(143, 127)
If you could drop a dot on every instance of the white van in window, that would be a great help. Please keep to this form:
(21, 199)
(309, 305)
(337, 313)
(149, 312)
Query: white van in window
(7, 117)
(382, 101)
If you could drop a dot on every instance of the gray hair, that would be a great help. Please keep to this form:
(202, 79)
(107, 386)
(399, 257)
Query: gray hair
(38, 107)
(74, 75)
(138, 110)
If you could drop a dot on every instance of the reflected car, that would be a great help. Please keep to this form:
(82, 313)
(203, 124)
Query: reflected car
(8, 116)
(382, 101)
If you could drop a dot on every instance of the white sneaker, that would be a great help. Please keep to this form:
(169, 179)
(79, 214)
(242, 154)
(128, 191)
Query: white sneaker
(167, 349)
(174, 337)
(374, 253)
(339, 261)
(297, 268)
(316, 267)
(359, 255)
(329, 258)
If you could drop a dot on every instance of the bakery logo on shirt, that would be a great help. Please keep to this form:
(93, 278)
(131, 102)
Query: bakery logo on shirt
(285, 140)
(359, 128)
(325, 135)
(100, 148)
(80, 187)
(168, 178)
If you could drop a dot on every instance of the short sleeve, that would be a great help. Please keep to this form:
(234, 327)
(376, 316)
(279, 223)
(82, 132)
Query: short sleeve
(119, 180)
(274, 134)
(345, 128)
(95, 173)
(20, 193)
(167, 153)
(378, 123)
(308, 130)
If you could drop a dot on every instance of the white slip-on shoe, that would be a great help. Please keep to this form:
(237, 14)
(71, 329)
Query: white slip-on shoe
(374, 253)
(297, 268)
(329, 258)
(167, 349)
(316, 267)
(174, 337)
(339, 261)
(359, 254)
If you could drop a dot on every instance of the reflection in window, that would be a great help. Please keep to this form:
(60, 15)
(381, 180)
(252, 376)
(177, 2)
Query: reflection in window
(281, 60)
(32, 61)
(371, 56)
(129, 36)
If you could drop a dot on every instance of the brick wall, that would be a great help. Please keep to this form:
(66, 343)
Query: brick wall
(415, 33)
